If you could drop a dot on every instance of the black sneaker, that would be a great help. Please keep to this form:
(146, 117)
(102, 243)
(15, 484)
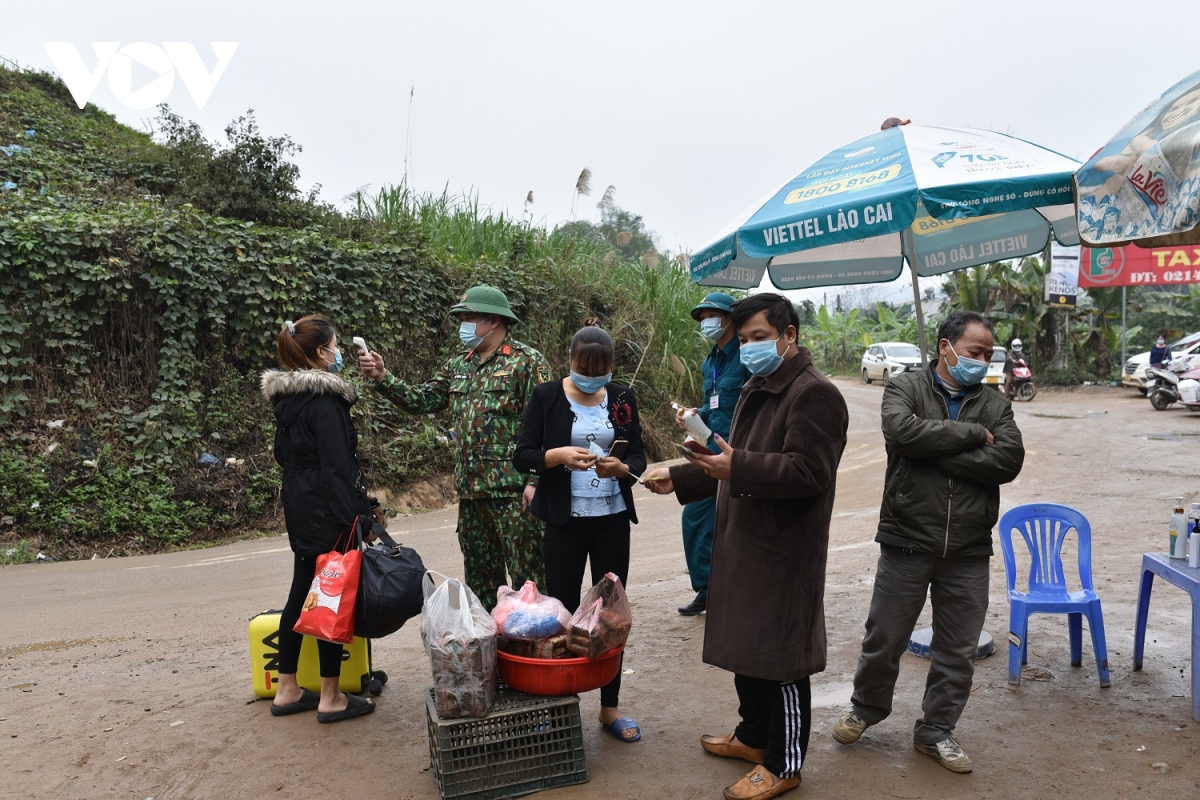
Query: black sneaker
(696, 607)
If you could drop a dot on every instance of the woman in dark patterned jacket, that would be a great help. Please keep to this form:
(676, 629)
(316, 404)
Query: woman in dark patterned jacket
(584, 495)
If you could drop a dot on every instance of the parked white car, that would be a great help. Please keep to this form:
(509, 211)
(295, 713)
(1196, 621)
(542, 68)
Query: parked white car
(995, 373)
(1133, 374)
(888, 359)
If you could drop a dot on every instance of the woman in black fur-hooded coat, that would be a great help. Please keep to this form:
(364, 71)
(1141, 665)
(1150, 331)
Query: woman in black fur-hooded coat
(315, 446)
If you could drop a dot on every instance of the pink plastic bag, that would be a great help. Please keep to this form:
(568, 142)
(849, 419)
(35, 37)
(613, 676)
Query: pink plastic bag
(603, 620)
(528, 615)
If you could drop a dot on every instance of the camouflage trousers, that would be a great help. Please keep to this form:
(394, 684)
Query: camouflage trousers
(499, 539)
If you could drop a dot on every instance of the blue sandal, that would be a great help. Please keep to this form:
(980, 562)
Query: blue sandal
(619, 726)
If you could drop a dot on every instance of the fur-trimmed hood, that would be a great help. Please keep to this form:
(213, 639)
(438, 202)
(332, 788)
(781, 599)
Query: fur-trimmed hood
(278, 384)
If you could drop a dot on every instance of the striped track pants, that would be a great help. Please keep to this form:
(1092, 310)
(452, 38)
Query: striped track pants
(776, 717)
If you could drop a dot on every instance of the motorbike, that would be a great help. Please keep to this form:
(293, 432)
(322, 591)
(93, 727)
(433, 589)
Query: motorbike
(1020, 383)
(1165, 387)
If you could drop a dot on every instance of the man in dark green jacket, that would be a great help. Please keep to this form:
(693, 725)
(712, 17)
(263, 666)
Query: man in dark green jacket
(951, 443)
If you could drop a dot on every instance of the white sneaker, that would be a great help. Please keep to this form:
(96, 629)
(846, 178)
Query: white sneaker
(849, 728)
(948, 754)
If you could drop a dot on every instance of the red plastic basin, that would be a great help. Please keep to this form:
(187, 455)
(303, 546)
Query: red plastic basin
(558, 676)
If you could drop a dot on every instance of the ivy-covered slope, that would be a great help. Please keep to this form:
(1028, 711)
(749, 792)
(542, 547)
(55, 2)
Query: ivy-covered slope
(132, 332)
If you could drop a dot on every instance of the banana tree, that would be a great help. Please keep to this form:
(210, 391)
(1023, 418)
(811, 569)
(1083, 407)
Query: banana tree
(835, 332)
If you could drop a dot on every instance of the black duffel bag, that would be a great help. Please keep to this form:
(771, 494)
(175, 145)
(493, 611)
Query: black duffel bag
(389, 587)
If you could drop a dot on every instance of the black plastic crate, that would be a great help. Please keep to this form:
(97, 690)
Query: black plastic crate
(527, 744)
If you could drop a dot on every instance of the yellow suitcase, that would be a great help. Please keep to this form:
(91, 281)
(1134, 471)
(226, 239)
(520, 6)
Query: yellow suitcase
(357, 675)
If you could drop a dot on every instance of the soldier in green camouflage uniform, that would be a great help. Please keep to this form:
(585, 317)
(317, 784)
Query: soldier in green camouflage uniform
(485, 387)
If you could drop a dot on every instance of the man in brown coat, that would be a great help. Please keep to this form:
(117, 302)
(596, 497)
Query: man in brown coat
(774, 481)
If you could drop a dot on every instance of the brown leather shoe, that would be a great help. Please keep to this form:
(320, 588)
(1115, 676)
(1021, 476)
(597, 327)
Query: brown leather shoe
(725, 747)
(760, 784)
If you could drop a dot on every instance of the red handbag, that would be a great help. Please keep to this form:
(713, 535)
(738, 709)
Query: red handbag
(328, 611)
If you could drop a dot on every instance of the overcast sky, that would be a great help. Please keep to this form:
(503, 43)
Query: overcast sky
(693, 110)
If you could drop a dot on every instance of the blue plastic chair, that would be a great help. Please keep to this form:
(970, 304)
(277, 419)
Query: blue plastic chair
(1044, 526)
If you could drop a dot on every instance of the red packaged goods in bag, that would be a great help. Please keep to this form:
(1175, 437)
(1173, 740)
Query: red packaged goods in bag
(528, 615)
(328, 611)
(603, 620)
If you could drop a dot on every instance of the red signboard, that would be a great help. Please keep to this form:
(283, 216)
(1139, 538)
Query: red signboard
(1135, 266)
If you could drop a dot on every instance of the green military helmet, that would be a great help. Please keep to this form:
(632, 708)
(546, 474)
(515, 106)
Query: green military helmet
(717, 301)
(484, 300)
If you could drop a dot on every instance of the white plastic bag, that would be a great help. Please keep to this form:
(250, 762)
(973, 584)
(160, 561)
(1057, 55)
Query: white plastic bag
(460, 639)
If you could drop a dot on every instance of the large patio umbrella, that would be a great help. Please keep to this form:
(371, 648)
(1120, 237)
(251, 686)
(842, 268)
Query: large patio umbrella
(939, 198)
(1144, 185)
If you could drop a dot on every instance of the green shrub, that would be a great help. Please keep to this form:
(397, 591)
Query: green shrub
(59, 500)
(21, 552)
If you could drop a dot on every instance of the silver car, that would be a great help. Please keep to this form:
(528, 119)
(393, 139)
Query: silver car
(889, 359)
(1133, 374)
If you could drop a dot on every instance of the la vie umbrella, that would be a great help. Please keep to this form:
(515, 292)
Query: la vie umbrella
(1144, 184)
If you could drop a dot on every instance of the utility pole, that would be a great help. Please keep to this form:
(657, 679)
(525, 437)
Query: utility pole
(1062, 343)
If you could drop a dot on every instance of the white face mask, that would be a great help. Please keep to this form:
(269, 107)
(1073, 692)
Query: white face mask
(711, 328)
(468, 334)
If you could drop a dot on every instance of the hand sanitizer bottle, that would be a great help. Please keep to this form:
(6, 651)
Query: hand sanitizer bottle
(1178, 530)
(1194, 536)
(691, 420)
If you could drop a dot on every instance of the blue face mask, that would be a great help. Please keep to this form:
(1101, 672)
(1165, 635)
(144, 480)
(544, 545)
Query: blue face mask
(470, 339)
(761, 358)
(590, 385)
(336, 366)
(968, 371)
(711, 328)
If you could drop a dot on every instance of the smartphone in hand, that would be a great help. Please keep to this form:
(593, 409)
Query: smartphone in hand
(692, 447)
(618, 449)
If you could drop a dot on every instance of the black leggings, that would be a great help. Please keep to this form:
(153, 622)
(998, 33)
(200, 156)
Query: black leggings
(605, 540)
(330, 653)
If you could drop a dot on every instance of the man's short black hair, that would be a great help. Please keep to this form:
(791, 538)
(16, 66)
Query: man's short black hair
(780, 311)
(957, 322)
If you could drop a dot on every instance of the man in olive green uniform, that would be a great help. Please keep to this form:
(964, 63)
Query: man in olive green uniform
(485, 387)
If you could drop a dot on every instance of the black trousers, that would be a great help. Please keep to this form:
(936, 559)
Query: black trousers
(329, 653)
(776, 717)
(568, 548)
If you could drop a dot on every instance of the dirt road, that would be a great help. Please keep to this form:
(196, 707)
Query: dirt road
(129, 677)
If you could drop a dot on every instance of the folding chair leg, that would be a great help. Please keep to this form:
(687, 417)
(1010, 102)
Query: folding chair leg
(1075, 630)
(1096, 627)
(1017, 625)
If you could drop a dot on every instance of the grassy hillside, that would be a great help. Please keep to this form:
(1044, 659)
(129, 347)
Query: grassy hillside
(142, 285)
(86, 154)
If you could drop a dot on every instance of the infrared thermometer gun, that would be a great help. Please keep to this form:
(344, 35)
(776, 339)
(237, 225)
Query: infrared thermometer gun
(361, 344)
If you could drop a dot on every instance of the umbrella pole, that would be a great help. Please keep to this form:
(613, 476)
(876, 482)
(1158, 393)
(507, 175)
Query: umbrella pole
(920, 317)
(1123, 333)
